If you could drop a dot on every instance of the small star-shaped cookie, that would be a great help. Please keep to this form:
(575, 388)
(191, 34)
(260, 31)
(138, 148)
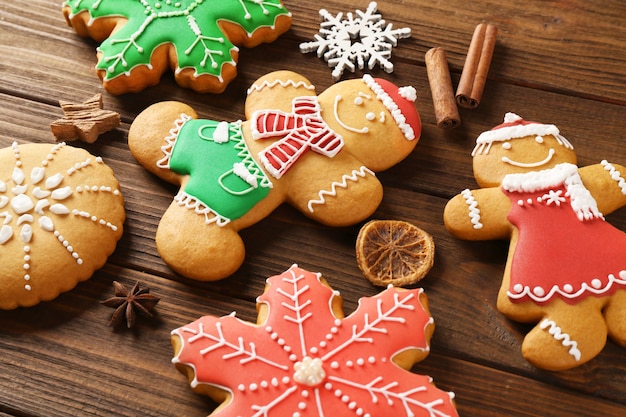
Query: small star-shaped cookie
(84, 121)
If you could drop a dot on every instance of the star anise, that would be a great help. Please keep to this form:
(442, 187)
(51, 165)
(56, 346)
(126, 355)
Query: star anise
(128, 303)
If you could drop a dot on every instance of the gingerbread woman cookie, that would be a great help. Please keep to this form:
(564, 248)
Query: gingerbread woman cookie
(566, 268)
(304, 358)
(141, 39)
(318, 153)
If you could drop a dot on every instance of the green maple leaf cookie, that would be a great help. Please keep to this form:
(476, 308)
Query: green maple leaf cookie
(196, 38)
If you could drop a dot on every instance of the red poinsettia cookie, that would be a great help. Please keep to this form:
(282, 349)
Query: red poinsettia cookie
(566, 269)
(304, 358)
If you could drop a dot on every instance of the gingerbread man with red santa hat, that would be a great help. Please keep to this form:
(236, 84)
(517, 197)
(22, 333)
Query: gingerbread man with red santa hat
(318, 153)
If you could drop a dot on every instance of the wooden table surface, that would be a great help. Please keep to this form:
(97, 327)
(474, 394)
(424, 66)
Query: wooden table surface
(560, 62)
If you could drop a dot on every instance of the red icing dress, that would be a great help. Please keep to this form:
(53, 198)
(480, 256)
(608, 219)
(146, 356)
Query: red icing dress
(565, 247)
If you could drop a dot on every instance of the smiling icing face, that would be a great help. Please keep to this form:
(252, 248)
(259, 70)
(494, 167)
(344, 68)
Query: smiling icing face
(365, 111)
(359, 103)
(518, 146)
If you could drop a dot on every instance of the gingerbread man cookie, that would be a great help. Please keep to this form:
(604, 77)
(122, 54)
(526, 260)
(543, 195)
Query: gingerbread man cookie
(566, 269)
(318, 153)
(304, 358)
(141, 39)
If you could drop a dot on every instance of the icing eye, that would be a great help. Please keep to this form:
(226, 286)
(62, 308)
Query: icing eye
(370, 116)
(539, 139)
(358, 101)
(506, 145)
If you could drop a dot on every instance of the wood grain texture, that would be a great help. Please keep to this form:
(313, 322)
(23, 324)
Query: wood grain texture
(561, 62)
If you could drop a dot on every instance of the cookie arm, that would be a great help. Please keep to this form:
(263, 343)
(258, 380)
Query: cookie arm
(149, 132)
(478, 215)
(606, 181)
(338, 192)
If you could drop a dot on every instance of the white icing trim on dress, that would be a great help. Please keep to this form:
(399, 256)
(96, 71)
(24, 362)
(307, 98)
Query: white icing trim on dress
(391, 105)
(615, 175)
(271, 84)
(474, 211)
(353, 176)
(582, 202)
(564, 338)
(540, 295)
(170, 140)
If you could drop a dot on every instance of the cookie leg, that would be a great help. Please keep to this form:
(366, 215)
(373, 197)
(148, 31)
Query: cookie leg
(615, 316)
(567, 337)
(195, 249)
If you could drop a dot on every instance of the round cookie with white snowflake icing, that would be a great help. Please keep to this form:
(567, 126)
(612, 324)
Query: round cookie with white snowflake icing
(61, 215)
(304, 358)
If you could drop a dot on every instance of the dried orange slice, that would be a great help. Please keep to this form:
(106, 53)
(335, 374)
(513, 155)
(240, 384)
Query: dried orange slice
(394, 252)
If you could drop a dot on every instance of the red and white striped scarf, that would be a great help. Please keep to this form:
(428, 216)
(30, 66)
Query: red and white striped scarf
(300, 130)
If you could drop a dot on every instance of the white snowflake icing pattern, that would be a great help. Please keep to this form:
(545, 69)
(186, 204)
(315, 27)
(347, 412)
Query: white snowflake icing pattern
(313, 371)
(554, 197)
(37, 199)
(355, 41)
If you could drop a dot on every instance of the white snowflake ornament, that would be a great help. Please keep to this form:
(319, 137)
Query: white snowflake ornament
(353, 42)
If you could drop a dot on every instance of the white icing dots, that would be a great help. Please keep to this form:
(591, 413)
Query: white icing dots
(26, 250)
(538, 291)
(87, 215)
(309, 371)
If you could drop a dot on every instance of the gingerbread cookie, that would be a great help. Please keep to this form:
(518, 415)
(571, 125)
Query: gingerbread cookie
(318, 153)
(196, 38)
(304, 358)
(61, 215)
(566, 269)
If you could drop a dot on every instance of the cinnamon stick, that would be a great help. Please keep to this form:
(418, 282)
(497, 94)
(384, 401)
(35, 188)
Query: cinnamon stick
(446, 111)
(474, 74)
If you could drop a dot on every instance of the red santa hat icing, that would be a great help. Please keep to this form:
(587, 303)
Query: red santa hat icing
(399, 102)
(516, 127)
